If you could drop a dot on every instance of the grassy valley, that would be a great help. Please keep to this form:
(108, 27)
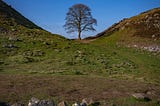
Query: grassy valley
(36, 63)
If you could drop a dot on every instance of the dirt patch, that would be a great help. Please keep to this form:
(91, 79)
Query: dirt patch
(70, 88)
(85, 40)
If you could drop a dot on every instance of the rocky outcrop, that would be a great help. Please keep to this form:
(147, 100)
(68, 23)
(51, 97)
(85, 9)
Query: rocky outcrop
(63, 103)
(151, 48)
(87, 101)
(37, 102)
(141, 96)
(76, 104)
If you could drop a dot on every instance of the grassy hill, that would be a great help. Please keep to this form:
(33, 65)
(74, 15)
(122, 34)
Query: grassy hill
(9, 16)
(142, 30)
(36, 63)
(21, 40)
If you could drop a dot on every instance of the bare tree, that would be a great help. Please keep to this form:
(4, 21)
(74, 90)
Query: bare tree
(79, 19)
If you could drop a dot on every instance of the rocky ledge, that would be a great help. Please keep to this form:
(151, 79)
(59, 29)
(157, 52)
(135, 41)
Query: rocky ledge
(37, 102)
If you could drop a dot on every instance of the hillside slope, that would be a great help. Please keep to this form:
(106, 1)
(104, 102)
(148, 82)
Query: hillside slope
(9, 16)
(143, 29)
(19, 38)
(36, 63)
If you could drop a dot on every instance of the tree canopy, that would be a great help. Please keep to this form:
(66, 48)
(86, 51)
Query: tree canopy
(79, 19)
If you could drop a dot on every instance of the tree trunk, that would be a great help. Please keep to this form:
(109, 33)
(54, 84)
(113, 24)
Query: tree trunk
(79, 35)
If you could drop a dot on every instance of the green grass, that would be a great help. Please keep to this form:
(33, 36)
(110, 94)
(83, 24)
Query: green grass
(130, 102)
(59, 68)
(64, 59)
(44, 54)
(145, 64)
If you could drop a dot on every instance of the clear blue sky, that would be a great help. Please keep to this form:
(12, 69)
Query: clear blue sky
(50, 14)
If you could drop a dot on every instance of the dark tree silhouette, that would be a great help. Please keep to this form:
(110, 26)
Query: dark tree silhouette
(79, 19)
